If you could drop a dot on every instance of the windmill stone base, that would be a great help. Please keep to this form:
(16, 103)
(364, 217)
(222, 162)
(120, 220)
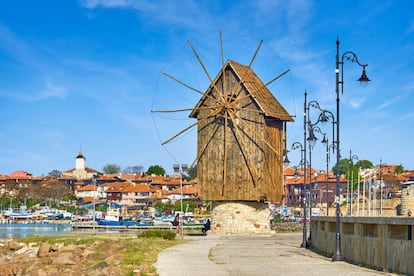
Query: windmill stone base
(240, 218)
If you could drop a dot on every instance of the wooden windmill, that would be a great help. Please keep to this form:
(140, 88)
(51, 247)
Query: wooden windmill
(240, 136)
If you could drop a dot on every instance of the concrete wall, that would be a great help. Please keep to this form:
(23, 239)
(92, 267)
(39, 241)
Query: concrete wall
(381, 243)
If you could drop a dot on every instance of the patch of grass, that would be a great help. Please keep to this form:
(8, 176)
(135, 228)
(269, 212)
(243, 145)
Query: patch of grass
(52, 240)
(167, 235)
(142, 253)
(131, 252)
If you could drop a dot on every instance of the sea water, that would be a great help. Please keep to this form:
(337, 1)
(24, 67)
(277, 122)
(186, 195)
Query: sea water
(21, 230)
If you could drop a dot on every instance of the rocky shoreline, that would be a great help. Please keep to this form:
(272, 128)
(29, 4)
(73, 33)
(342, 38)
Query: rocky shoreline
(46, 259)
(86, 254)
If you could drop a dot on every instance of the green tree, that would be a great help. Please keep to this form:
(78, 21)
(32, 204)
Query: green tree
(364, 164)
(343, 166)
(351, 169)
(188, 206)
(164, 207)
(155, 169)
(399, 169)
(111, 169)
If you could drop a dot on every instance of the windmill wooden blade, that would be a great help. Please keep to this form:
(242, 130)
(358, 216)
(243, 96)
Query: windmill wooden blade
(189, 127)
(219, 93)
(203, 147)
(182, 83)
(179, 133)
(261, 137)
(188, 86)
(172, 111)
(251, 93)
(180, 110)
(238, 86)
(223, 73)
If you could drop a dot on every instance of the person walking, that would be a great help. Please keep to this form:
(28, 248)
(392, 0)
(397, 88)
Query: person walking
(176, 223)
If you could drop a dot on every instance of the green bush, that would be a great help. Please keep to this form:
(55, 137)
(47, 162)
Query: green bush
(167, 235)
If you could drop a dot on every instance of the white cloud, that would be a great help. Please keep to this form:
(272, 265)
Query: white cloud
(356, 102)
(406, 116)
(388, 103)
(52, 90)
(138, 5)
(15, 46)
(184, 13)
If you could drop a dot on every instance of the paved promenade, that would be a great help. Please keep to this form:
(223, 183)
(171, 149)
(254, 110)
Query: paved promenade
(250, 255)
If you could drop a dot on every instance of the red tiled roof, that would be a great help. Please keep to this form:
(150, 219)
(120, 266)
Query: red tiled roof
(139, 188)
(117, 187)
(70, 170)
(186, 191)
(88, 188)
(405, 176)
(20, 174)
(321, 178)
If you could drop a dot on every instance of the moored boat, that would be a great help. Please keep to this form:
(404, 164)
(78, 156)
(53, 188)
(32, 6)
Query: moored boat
(14, 214)
(113, 217)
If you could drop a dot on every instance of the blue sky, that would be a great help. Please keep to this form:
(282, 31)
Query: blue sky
(85, 74)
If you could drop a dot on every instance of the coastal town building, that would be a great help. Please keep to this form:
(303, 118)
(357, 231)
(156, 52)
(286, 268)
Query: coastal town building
(81, 171)
(382, 189)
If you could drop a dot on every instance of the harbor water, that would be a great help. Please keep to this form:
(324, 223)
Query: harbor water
(22, 230)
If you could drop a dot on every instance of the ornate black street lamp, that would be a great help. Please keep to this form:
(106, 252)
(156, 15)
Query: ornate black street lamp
(350, 56)
(312, 128)
(312, 140)
(351, 181)
(380, 186)
(328, 159)
(295, 146)
(324, 117)
(180, 169)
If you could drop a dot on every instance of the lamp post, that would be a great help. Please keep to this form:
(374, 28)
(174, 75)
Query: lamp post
(324, 117)
(285, 165)
(339, 80)
(359, 190)
(328, 159)
(351, 177)
(312, 140)
(364, 204)
(312, 128)
(298, 145)
(380, 184)
(94, 205)
(180, 169)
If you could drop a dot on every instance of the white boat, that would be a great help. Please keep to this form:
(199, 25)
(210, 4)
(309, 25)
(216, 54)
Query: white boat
(164, 220)
(113, 217)
(13, 214)
(51, 213)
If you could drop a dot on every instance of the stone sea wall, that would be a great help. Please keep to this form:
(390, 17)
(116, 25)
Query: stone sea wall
(240, 218)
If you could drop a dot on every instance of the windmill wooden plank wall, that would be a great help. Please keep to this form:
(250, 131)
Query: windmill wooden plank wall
(240, 138)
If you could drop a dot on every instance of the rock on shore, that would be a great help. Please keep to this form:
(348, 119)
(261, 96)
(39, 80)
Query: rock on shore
(44, 259)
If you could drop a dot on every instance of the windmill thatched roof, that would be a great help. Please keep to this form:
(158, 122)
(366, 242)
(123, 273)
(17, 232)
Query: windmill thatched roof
(259, 93)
